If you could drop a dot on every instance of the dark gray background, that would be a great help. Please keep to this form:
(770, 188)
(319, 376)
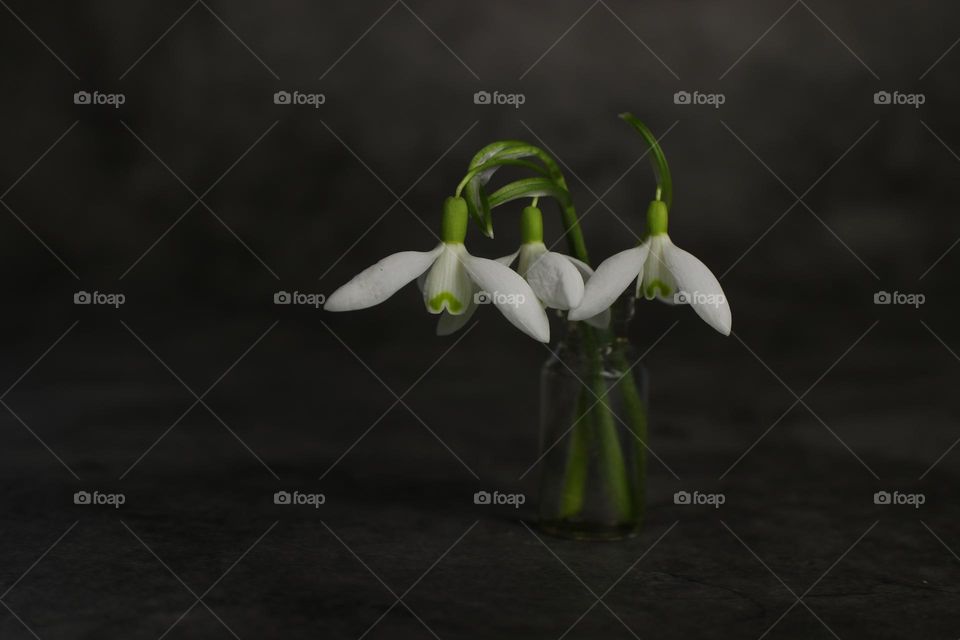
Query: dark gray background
(880, 414)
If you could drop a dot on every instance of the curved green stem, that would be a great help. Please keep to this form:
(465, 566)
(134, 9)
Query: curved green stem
(511, 153)
(571, 223)
(496, 164)
(658, 159)
(538, 187)
(571, 229)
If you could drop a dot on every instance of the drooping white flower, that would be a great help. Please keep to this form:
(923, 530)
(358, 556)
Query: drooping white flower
(556, 279)
(451, 281)
(451, 323)
(661, 270)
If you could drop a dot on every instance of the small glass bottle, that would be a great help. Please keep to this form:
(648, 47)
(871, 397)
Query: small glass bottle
(593, 430)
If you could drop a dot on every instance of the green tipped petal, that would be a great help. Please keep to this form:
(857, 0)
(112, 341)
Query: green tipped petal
(656, 288)
(657, 281)
(447, 286)
(445, 299)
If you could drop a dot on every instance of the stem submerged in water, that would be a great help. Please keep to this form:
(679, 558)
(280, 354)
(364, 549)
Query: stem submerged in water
(637, 421)
(601, 422)
(611, 453)
(575, 472)
(603, 468)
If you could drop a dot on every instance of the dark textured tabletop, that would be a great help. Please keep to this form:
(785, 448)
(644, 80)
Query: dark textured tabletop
(399, 549)
(183, 411)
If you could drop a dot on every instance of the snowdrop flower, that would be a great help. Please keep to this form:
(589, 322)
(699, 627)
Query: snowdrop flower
(452, 281)
(662, 270)
(554, 277)
(557, 279)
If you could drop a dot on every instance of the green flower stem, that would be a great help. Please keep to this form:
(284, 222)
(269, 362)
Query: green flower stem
(575, 471)
(516, 149)
(611, 452)
(511, 153)
(658, 159)
(571, 229)
(614, 468)
(637, 421)
(496, 164)
(537, 187)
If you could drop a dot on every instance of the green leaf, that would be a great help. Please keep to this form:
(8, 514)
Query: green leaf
(491, 150)
(485, 164)
(479, 206)
(528, 188)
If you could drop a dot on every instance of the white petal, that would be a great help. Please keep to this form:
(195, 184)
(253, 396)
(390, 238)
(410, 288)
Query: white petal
(699, 288)
(375, 284)
(449, 324)
(511, 295)
(508, 260)
(586, 271)
(556, 281)
(448, 285)
(612, 277)
(602, 319)
(529, 252)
